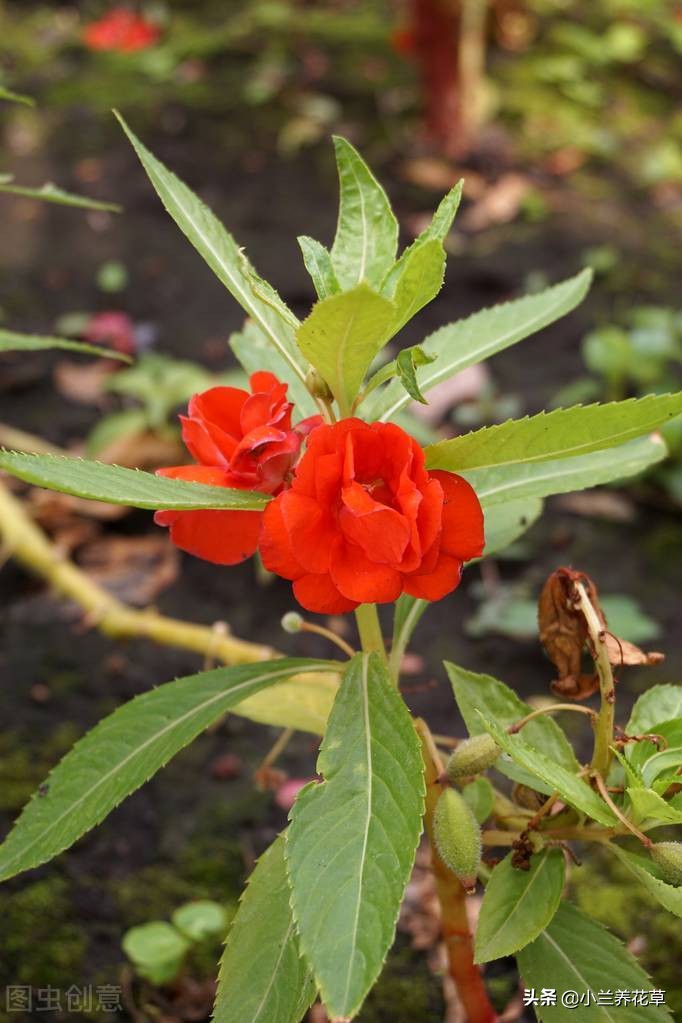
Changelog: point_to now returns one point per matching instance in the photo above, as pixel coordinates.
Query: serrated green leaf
(406, 365)
(560, 476)
(480, 797)
(11, 341)
(669, 895)
(51, 193)
(438, 229)
(125, 749)
(318, 263)
(575, 953)
(352, 839)
(366, 239)
(660, 703)
(573, 790)
(115, 485)
(466, 342)
(219, 249)
(651, 810)
(341, 337)
(263, 978)
(418, 282)
(474, 692)
(564, 433)
(254, 352)
(518, 904)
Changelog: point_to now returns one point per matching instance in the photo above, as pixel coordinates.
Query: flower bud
(668, 856)
(457, 836)
(317, 386)
(472, 756)
(292, 622)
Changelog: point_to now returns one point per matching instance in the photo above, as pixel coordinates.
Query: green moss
(406, 991)
(24, 763)
(41, 944)
(600, 888)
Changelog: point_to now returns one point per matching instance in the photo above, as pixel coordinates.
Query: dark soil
(187, 834)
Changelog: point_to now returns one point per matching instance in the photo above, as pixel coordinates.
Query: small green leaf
(16, 97)
(352, 839)
(438, 229)
(418, 282)
(115, 485)
(652, 810)
(480, 796)
(660, 703)
(11, 341)
(577, 954)
(474, 692)
(519, 904)
(367, 232)
(263, 978)
(668, 895)
(564, 433)
(51, 193)
(341, 337)
(408, 612)
(318, 263)
(124, 750)
(573, 790)
(406, 365)
(540, 479)
(208, 236)
(476, 338)
(156, 950)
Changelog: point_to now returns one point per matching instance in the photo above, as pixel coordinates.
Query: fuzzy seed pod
(472, 756)
(527, 797)
(457, 836)
(668, 856)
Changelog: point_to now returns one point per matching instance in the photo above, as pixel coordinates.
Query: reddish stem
(452, 898)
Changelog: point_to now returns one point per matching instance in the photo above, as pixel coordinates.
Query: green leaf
(660, 703)
(254, 352)
(16, 97)
(156, 950)
(201, 919)
(408, 612)
(11, 341)
(116, 425)
(474, 692)
(110, 483)
(573, 790)
(519, 904)
(208, 236)
(466, 342)
(367, 232)
(352, 839)
(263, 978)
(51, 193)
(438, 229)
(418, 282)
(124, 750)
(505, 523)
(303, 703)
(575, 953)
(341, 337)
(668, 895)
(318, 263)
(564, 433)
(512, 482)
(480, 796)
(651, 810)
(406, 365)
(652, 763)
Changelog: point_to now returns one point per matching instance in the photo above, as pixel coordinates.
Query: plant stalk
(452, 898)
(367, 617)
(603, 729)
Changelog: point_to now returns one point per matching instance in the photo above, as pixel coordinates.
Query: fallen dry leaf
(464, 386)
(622, 652)
(84, 383)
(499, 204)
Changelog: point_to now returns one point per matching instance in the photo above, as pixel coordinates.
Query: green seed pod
(668, 856)
(317, 386)
(457, 836)
(472, 756)
(527, 797)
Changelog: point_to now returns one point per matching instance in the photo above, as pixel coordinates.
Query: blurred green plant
(158, 949)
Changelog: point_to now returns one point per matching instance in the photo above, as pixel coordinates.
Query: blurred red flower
(113, 329)
(122, 30)
(363, 521)
(241, 440)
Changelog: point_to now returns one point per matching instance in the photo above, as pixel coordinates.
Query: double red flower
(240, 440)
(121, 30)
(359, 519)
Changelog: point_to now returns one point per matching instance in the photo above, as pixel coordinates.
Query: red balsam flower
(121, 30)
(363, 521)
(241, 440)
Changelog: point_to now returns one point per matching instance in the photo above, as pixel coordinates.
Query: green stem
(370, 630)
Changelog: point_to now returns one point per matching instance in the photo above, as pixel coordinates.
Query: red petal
(263, 380)
(381, 532)
(309, 531)
(275, 546)
(443, 579)
(224, 537)
(463, 533)
(221, 407)
(210, 475)
(201, 445)
(360, 579)
(318, 593)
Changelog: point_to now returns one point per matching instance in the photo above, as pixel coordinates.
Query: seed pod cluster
(472, 756)
(668, 856)
(457, 836)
